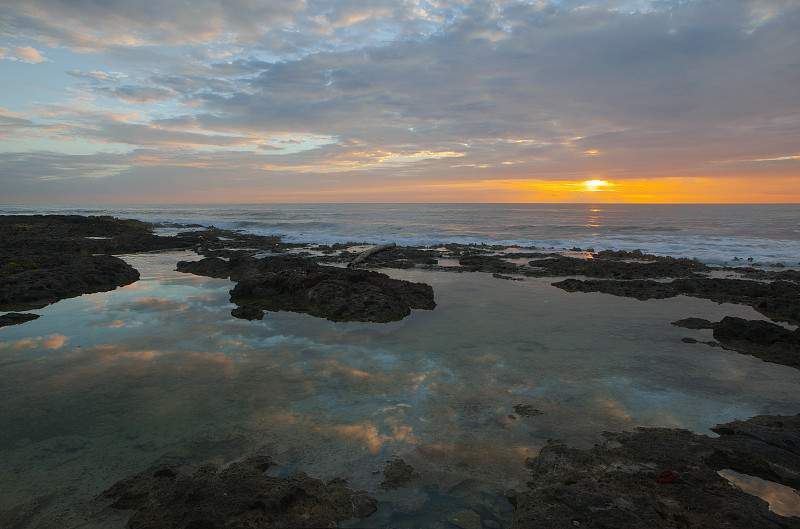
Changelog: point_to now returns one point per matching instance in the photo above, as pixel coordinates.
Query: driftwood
(366, 253)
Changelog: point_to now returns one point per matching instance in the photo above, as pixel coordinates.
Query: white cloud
(23, 54)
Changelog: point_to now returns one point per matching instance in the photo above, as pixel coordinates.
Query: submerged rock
(240, 495)
(398, 474)
(661, 478)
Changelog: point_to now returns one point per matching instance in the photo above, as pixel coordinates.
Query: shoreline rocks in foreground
(240, 495)
(662, 478)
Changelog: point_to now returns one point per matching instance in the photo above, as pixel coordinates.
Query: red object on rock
(666, 476)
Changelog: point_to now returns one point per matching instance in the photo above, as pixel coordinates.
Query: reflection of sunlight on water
(782, 500)
(162, 372)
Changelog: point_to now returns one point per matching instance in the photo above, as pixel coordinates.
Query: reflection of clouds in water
(53, 341)
(782, 500)
(116, 323)
(157, 304)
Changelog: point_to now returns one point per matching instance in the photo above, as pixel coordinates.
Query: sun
(594, 185)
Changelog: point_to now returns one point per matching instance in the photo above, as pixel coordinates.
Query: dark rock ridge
(662, 478)
(284, 283)
(758, 338)
(778, 300)
(240, 495)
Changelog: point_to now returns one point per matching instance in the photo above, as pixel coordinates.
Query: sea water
(714, 233)
(104, 385)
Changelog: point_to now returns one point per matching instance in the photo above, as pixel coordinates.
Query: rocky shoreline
(653, 477)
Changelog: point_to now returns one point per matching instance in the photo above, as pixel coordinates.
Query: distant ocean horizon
(720, 234)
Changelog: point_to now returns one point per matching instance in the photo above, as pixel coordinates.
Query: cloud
(413, 92)
(23, 54)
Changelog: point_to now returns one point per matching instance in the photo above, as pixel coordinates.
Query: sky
(216, 101)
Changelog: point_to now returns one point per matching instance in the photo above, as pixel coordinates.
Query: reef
(240, 495)
(661, 478)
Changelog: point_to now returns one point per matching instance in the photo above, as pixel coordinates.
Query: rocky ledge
(240, 495)
(662, 478)
(762, 339)
(287, 283)
(46, 258)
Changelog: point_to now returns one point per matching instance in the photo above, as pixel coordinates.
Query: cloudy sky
(105, 101)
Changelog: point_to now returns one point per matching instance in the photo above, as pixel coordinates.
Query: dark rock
(759, 338)
(240, 495)
(398, 474)
(762, 339)
(45, 258)
(526, 410)
(52, 277)
(642, 289)
(296, 284)
(16, 318)
(615, 265)
(487, 263)
(507, 278)
(660, 478)
(694, 323)
(778, 300)
(248, 312)
(403, 257)
(338, 294)
(209, 267)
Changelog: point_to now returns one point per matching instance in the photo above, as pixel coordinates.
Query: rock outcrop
(759, 338)
(240, 495)
(299, 285)
(662, 478)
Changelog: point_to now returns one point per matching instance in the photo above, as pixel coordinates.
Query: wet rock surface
(287, 283)
(240, 495)
(658, 477)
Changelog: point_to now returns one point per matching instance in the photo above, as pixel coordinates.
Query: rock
(338, 294)
(487, 263)
(398, 474)
(694, 323)
(239, 495)
(465, 520)
(55, 276)
(16, 318)
(616, 265)
(526, 410)
(248, 312)
(660, 478)
(762, 339)
(46, 258)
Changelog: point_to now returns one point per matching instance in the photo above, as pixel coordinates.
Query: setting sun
(595, 185)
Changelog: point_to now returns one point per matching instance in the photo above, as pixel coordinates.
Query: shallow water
(105, 385)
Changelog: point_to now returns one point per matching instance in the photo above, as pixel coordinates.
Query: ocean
(104, 385)
(713, 233)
